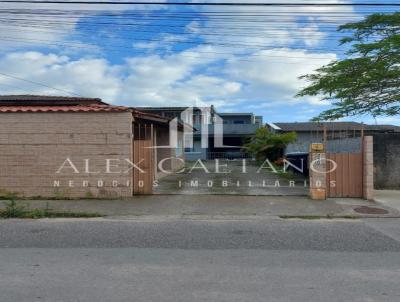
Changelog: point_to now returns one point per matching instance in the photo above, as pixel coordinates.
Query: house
(338, 135)
(236, 127)
(54, 146)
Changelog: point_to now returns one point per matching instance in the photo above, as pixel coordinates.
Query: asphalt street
(200, 260)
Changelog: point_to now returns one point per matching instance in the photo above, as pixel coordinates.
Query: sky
(238, 59)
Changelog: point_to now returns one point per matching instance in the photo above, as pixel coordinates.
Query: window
(238, 122)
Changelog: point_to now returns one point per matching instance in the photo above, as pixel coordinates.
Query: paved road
(186, 260)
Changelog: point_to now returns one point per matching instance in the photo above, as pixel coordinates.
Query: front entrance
(347, 179)
(143, 155)
(346, 172)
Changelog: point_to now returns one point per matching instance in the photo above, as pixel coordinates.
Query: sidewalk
(389, 198)
(221, 206)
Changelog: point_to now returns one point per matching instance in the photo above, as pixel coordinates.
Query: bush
(13, 210)
(265, 144)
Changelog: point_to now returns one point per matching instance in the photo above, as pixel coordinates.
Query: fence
(228, 155)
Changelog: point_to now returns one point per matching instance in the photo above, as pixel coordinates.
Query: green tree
(368, 80)
(265, 144)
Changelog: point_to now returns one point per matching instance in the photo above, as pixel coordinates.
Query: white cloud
(89, 77)
(274, 75)
(176, 79)
(265, 77)
(151, 81)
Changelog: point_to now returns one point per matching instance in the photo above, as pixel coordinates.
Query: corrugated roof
(159, 119)
(314, 126)
(181, 108)
(382, 128)
(141, 114)
(333, 126)
(235, 113)
(68, 108)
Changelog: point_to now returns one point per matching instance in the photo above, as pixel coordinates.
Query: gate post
(368, 168)
(317, 170)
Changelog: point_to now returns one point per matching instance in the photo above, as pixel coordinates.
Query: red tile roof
(76, 108)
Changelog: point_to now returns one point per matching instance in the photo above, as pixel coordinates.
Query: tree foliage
(265, 144)
(368, 80)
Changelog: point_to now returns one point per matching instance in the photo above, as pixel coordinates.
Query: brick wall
(33, 146)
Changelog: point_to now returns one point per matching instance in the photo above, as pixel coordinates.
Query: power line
(284, 60)
(199, 3)
(173, 37)
(29, 24)
(137, 34)
(222, 12)
(119, 47)
(13, 86)
(37, 83)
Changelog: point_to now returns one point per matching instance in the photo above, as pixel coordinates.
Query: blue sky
(238, 59)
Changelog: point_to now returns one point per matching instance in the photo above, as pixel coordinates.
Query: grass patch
(14, 210)
(316, 217)
(8, 195)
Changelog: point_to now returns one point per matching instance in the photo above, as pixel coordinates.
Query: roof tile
(77, 108)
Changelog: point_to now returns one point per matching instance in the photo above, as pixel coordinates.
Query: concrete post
(368, 168)
(317, 172)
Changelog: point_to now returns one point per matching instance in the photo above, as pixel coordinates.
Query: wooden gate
(347, 179)
(143, 156)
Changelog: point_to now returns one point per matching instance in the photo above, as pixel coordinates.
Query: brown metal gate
(143, 156)
(347, 179)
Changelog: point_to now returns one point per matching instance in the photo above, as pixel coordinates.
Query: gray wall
(387, 160)
(304, 139)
